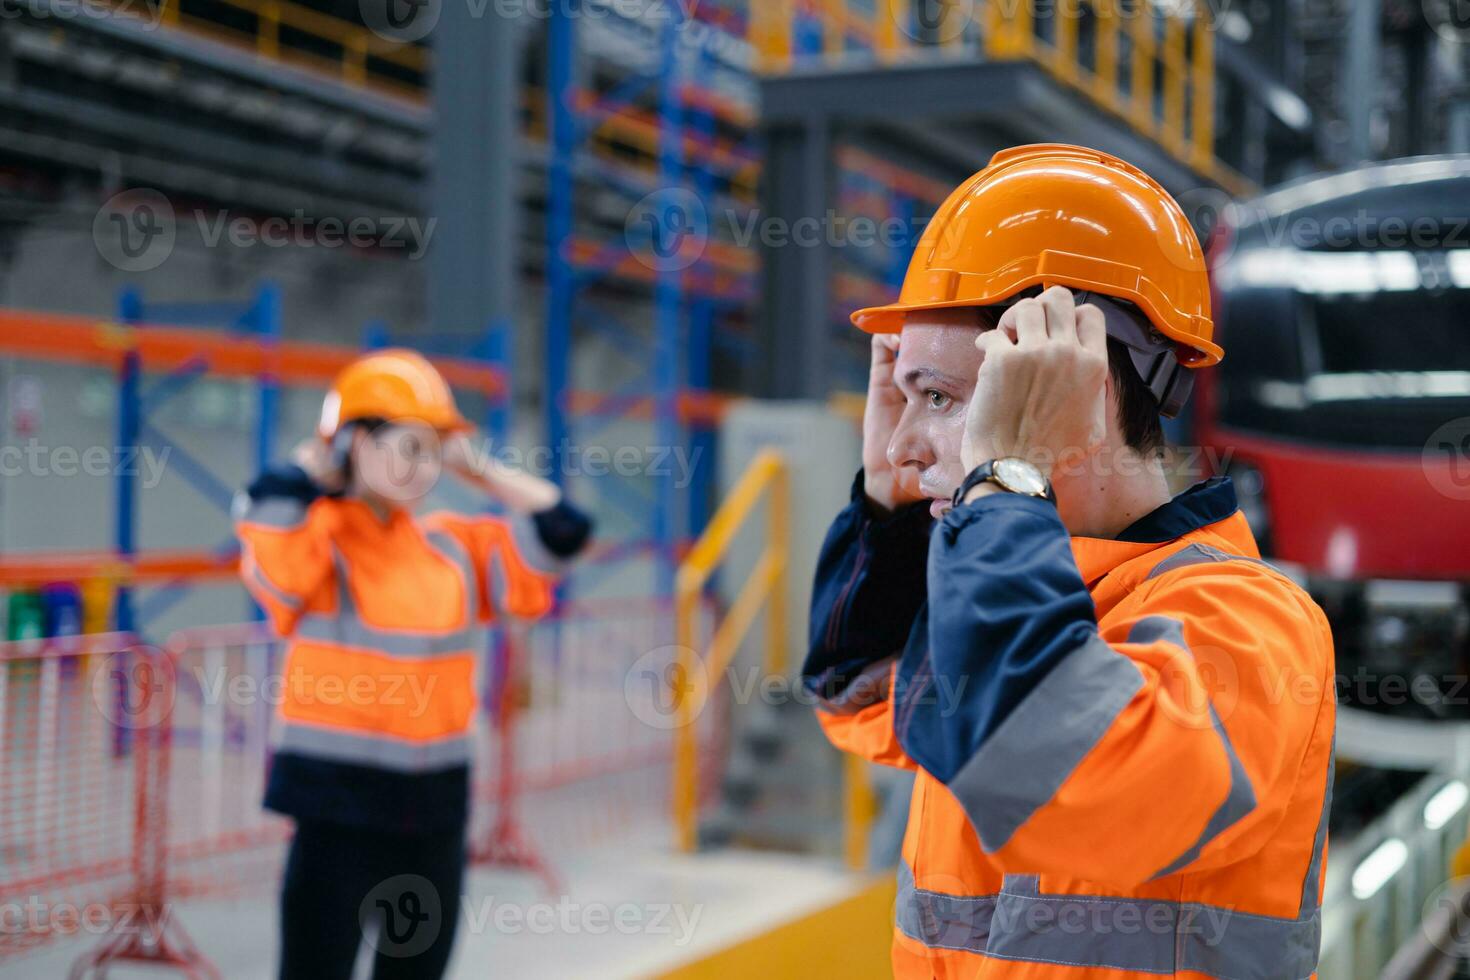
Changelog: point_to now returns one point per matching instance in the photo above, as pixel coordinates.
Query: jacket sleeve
(1170, 743)
(866, 600)
(285, 557)
(518, 559)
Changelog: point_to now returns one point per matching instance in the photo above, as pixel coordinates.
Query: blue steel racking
(684, 309)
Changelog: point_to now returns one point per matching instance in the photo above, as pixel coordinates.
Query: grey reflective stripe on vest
(942, 921)
(347, 628)
(1027, 758)
(1240, 799)
(1310, 886)
(450, 547)
(381, 751)
(1199, 554)
(257, 578)
(499, 590)
(275, 512)
(1140, 935)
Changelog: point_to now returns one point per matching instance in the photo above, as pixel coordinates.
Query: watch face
(1020, 476)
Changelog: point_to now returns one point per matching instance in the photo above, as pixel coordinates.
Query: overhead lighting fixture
(1379, 867)
(1447, 801)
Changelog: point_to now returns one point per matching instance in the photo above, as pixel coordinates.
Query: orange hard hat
(1052, 214)
(395, 385)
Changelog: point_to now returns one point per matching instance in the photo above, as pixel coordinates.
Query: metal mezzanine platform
(1147, 86)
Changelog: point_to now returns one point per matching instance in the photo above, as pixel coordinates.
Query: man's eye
(937, 399)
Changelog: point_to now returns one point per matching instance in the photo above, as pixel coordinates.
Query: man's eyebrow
(914, 376)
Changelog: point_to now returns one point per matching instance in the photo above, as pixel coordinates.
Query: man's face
(935, 371)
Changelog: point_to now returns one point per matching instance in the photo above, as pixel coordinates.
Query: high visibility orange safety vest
(1124, 747)
(385, 624)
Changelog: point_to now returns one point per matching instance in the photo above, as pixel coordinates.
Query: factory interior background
(629, 234)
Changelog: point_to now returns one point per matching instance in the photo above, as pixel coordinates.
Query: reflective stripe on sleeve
(1142, 935)
(1199, 554)
(275, 512)
(257, 578)
(1026, 760)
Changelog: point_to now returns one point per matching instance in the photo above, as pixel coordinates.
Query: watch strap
(985, 472)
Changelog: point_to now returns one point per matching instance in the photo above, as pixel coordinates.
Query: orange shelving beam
(30, 570)
(84, 340)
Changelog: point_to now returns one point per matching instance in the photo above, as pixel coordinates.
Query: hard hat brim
(1196, 352)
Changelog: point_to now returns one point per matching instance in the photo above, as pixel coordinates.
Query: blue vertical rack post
(683, 317)
(129, 424)
(561, 304)
(125, 466)
(261, 316)
(669, 308)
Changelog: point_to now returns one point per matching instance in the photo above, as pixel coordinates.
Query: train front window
(1382, 368)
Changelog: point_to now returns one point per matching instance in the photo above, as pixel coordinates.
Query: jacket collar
(1200, 506)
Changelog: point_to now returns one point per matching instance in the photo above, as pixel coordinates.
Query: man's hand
(1040, 391)
(881, 481)
(315, 458)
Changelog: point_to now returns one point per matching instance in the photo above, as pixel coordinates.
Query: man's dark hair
(1138, 412)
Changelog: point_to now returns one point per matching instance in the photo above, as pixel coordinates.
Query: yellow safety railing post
(1105, 86)
(1142, 55)
(860, 806)
(1174, 80)
(834, 27)
(998, 41)
(1067, 14)
(1023, 30)
(1202, 89)
(885, 27)
(769, 33)
(169, 11)
(354, 59)
(778, 532)
(766, 477)
(268, 33)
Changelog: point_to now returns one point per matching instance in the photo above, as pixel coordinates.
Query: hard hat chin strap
(1153, 355)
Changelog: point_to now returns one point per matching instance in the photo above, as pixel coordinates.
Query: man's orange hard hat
(395, 385)
(1052, 214)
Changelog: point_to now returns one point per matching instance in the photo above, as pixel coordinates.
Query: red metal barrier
(84, 759)
(131, 778)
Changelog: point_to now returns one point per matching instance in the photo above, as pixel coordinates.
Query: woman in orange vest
(385, 614)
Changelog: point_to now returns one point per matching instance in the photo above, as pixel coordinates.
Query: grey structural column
(796, 262)
(1360, 75)
(477, 89)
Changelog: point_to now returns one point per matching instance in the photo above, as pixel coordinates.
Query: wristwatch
(1012, 474)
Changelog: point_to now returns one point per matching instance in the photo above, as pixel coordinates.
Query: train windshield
(1381, 367)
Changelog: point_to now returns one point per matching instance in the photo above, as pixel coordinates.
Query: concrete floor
(630, 910)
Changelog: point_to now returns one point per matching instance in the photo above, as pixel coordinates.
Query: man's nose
(909, 449)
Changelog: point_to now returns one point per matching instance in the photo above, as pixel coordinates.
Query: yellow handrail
(766, 478)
